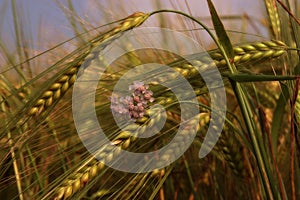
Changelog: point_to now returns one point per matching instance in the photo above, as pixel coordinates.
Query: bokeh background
(45, 22)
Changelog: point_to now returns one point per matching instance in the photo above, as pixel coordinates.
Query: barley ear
(232, 151)
(67, 79)
(273, 17)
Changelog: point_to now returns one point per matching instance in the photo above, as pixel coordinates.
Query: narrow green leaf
(278, 115)
(220, 30)
(297, 69)
(258, 78)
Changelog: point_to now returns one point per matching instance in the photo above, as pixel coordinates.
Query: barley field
(160, 103)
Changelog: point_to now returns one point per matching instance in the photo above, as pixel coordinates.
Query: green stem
(259, 152)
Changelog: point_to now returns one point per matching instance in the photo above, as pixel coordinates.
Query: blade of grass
(18, 38)
(220, 31)
(278, 114)
(258, 78)
(259, 151)
(266, 131)
(246, 110)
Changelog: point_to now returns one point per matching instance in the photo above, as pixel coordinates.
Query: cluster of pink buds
(133, 106)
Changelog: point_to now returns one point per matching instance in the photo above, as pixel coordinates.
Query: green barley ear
(252, 53)
(273, 17)
(65, 80)
(92, 167)
(78, 179)
(232, 151)
(134, 20)
(72, 173)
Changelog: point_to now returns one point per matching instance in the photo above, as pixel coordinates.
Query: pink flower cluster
(133, 106)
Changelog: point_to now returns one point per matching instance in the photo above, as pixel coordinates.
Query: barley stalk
(3, 108)
(297, 108)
